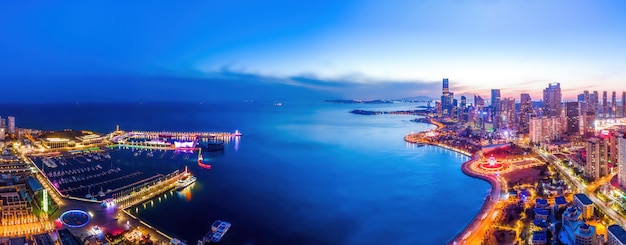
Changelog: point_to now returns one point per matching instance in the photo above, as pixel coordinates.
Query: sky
(323, 49)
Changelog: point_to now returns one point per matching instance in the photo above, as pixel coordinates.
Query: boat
(187, 180)
(237, 133)
(218, 230)
(182, 183)
(278, 104)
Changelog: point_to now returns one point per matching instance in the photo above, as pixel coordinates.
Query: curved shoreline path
(476, 229)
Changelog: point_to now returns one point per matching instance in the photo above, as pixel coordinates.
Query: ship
(218, 230)
(187, 180)
(237, 133)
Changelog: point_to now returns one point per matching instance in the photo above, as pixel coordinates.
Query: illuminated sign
(605, 132)
(179, 144)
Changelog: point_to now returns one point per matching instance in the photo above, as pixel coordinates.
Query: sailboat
(200, 163)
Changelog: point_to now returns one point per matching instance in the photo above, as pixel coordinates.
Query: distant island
(360, 101)
(407, 112)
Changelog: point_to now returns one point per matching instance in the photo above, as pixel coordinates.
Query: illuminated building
(11, 126)
(507, 107)
(597, 158)
(576, 230)
(552, 100)
(616, 235)
(613, 104)
(573, 118)
(605, 105)
(446, 99)
(14, 208)
(589, 126)
(621, 161)
(525, 111)
(585, 204)
(594, 103)
(547, 129)
(623, 104)
(70, 138)
(496, 113)
(2, 134)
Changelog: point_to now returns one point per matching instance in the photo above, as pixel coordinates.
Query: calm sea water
(303, 173)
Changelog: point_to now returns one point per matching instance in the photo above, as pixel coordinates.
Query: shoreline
(489, 201)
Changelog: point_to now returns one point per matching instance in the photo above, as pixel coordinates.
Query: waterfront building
(446, 99)
(11, 126)
(597, 158)
(525, 112)
(573, 117)
(616, 235)
(70, 138)
(496, 114)
(552, 100)
(14, 207)
(546, 129)
(582, 202)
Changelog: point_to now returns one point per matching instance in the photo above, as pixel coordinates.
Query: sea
(302, 173)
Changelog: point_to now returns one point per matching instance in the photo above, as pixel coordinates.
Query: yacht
(184, 182)
(218, 229)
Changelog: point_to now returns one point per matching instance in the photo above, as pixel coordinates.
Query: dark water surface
(303, 173)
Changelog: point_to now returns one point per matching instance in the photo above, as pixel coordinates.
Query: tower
(573, 117)
(11, 125)
(605, 105)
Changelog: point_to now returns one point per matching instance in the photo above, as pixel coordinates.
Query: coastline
(489, 202)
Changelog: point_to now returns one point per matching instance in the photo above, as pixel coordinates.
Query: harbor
(105, 179)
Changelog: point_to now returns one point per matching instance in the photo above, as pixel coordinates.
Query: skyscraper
(594, 103)
(525, 111)
(624, 104)
(496, 115)
(573, 117)
(597, 158)
(463, 110)
(552, 100)
(508, 113)
(613, 104)
(11, 125)
(586, 106)
(605, 105)
(621, 160)
(446, 99)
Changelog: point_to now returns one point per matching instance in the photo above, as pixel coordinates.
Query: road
(617, 218)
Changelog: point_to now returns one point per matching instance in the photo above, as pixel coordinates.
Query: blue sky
(311, 49)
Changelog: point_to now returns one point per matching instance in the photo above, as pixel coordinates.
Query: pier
(149, 189)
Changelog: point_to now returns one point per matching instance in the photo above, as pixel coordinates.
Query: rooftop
(583, 198)
(541, 211)
(540, 236)
(560, 200)
(618, 232)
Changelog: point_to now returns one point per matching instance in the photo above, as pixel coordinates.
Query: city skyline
(361, 50)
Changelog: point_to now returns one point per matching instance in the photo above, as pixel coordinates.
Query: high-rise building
(496, 115)
(552, 100)
(588, 122)
(463, 110)
(621, 160)
(508, 113)
(613, 104)
(11, 125)
(623, 103)
(605, 105)
(586, 106)
(2, 133)
(594, 103)
(446, 99)
(597, 158)
(525, 111)
(573, 117)
(616, 235)
(479, 110)
(546, 129)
